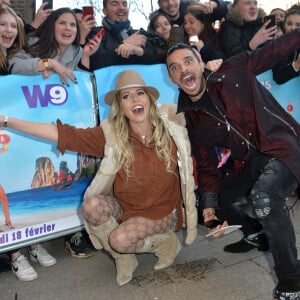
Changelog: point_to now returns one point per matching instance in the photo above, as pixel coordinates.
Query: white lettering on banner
(55, 94)
(58, 95)
(266, 83)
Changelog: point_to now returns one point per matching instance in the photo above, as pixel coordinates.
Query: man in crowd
(120, 44)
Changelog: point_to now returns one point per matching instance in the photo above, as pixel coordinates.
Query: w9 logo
(56, 94)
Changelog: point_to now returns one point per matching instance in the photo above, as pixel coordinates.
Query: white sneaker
(23, 270)
(39, 254)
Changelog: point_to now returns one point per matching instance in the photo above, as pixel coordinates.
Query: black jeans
(276, 182)
(236, 186)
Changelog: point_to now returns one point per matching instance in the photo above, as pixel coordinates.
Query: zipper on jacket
(228, 125)
(282, 120)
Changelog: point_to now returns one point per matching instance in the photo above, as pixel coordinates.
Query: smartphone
(49, 5)
(193, 38)
(272, 23)
(100, 33)
(88, 11)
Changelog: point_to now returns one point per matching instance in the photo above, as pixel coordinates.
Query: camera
(153, 38)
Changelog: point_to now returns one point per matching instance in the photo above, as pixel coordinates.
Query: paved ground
(202, 271)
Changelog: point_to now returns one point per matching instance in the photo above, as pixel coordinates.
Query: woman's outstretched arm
(41, 130)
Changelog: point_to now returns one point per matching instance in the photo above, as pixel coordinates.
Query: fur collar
(235, 17)
(170, 109)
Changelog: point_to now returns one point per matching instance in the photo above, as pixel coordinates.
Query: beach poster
(41, 191)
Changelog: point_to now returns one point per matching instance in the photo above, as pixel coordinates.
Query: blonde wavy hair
(160, 136)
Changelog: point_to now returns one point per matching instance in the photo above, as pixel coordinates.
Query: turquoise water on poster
(46, 199)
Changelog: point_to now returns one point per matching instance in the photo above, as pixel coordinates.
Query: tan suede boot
(125, 263)
(165, 246)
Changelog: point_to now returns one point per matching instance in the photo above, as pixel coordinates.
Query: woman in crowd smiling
(55, 47)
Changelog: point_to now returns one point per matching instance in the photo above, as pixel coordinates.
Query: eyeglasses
(126, 96)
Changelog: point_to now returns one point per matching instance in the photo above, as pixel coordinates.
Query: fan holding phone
(243, 29)
(87, 23)
(290, 67)
(272, 21)
(88, 12)
(55, 52)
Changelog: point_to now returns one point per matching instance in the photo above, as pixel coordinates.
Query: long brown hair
(19, 42)
(208, 35)
(46, 45)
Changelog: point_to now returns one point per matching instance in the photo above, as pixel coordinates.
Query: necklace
(143, 135)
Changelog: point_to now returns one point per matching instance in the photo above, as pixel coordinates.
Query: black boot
(252, 241)
(288, 284)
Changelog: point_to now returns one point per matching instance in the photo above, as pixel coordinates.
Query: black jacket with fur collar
(235, 33)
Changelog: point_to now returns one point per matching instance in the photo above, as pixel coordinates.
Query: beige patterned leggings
(129, 236)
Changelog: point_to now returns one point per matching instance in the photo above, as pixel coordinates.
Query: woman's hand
(89, 49)
(85, 24)
(41, 15)
(63, 72)
(92, 46)
(55, 66)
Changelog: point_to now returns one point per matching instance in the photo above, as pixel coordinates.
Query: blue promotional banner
(157, 75)
(40, 190)
(287, 94)
(154, 75)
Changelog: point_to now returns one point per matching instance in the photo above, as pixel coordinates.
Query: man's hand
(209, 216)
(136, 39)
(263, 35)
(125, 50)
(214, 65)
